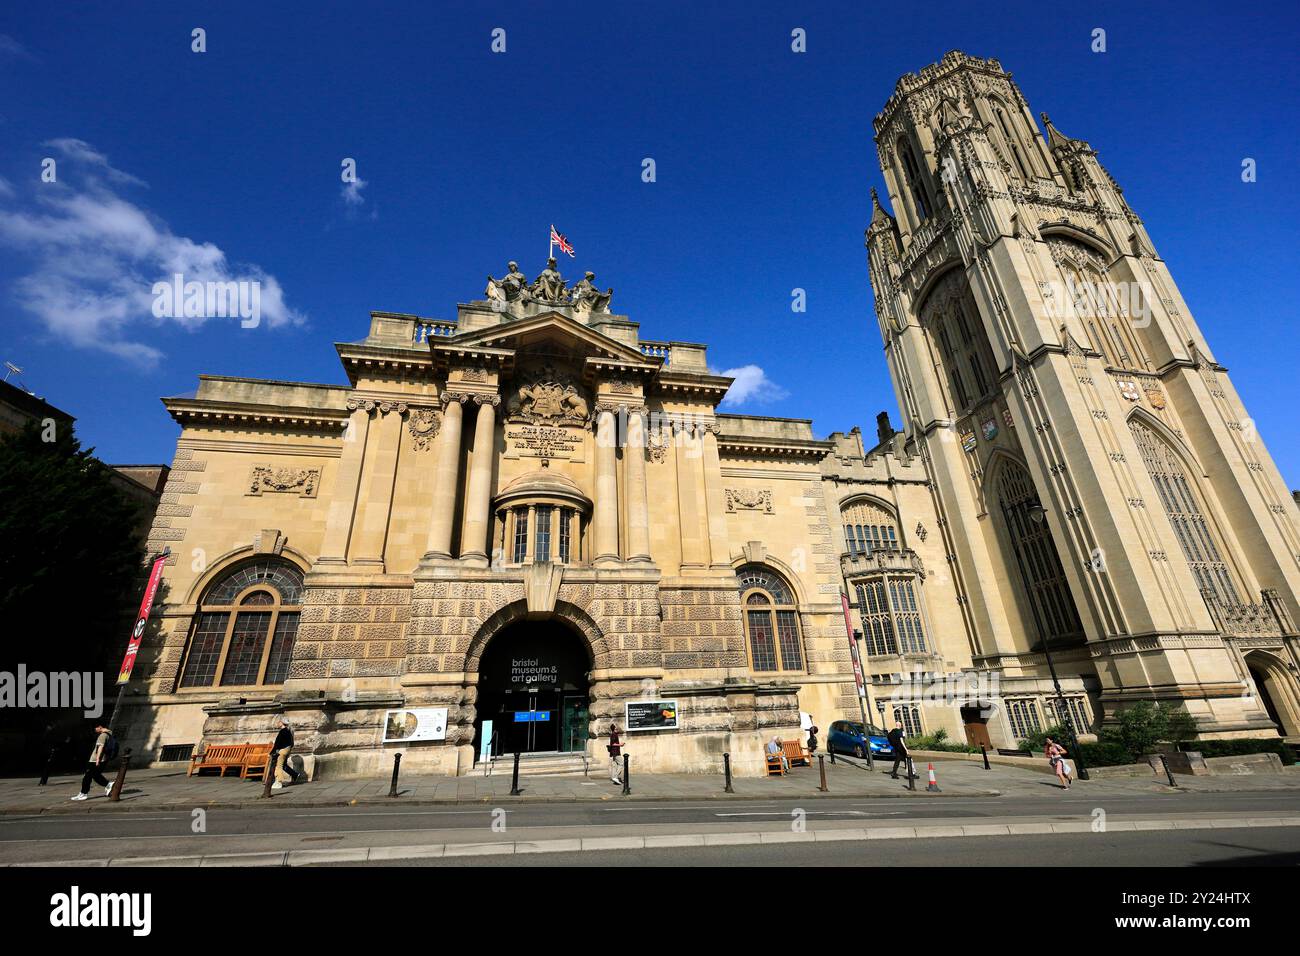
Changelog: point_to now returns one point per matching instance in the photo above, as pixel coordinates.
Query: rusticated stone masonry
(352, 632)
(702, 628)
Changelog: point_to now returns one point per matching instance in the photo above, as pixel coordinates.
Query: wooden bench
(220, 757)
(775, 765)
(795, 752)
(256, 762)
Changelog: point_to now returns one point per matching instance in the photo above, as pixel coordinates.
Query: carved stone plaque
(552, 442)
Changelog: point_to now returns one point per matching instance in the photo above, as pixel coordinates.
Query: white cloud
(96, 256)
(11, 47)
(752, 385)
(352, 192)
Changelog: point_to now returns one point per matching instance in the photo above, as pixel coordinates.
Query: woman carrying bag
(1056, 754)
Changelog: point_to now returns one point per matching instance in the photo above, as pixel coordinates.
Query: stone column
(638, 512)
(606, 504)
(446, 478)
(474, 545)
(342, 509)
(686, 452)
(375, 501)
(714, 499)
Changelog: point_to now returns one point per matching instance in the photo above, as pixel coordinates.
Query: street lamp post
(1038, 514)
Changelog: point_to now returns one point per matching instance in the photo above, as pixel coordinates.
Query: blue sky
(229, 161)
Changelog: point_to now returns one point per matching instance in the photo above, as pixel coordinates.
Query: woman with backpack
(105, 750)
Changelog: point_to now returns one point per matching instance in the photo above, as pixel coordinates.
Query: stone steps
(544, 764)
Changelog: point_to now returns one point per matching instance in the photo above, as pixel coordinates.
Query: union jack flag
(563, 243)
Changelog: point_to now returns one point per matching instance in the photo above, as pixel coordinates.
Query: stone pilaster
(638, 512)
(606, 504)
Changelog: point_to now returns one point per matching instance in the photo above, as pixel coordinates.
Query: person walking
(812, 740)
(899, 748)
(615, 749)
(105, 749)
(280, 751)
(1056, 754)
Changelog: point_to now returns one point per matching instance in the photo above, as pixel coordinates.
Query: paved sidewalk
(651, 838)
(173, 790)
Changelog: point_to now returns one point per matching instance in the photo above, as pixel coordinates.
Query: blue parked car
(849, 737)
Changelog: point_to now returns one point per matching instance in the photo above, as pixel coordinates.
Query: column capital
(484, 399)
(450, 396)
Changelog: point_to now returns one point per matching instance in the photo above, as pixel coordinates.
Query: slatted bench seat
(220, 757)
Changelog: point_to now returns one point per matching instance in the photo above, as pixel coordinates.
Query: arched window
(868, 527)
(1182, 504)
(244, 632)
(771, 620)
(915, 184)
(1035, 553)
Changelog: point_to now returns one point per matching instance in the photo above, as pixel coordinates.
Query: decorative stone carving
(549, 285)
(423, 424)
(508, 289)
(921, 532)
(749, 499)
(304, 481)
(657, 445)
(548, 397)
(587, 298)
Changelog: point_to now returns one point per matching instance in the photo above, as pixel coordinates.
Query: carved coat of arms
(547, 397)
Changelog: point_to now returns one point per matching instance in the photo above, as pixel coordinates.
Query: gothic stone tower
(1101, 485)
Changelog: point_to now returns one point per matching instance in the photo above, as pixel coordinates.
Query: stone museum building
(509, 530)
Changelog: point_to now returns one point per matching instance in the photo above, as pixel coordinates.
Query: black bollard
(268, 775)
(514, 781)
(49, 762)
(821, 763)
(627, 780)
(116, 793)
(1168, 773)
(985, 751)
(726, 769)
(397, 765)
(832, 756)
(911, 776)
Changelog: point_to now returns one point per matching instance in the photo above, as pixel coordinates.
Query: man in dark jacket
(900, 750)
(280, 752)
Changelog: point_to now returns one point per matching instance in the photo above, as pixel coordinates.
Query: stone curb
(597, 844)
(132, 806)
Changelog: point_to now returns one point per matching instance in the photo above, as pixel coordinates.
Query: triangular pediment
(548, 326)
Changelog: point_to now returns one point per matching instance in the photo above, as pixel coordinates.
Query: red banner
(141, 619)
(853, 648)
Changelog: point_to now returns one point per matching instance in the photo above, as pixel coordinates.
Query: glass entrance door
(573, 723)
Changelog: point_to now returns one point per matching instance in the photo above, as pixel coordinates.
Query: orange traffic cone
(933, 785)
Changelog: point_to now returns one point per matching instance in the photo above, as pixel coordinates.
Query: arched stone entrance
(533, 686)
(1277, 691)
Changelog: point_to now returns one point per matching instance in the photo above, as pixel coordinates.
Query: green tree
(71, 562)
(1141, 726)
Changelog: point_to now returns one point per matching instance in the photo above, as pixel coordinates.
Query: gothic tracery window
(912, 179)
(891, 615)
(1041, 573)
(244, 632)
(1178, 495)
(868, 527)
(772, 633)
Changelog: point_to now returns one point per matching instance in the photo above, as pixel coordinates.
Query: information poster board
(415, 724)
(650, 715)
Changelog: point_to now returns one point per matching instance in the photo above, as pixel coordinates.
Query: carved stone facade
(534, 477)
(1099, 501)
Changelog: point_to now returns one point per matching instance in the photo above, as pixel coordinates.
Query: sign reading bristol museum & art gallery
(415, 724)
(650, 715)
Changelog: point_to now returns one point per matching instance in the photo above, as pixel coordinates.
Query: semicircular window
(772, 633)
(247, 623)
